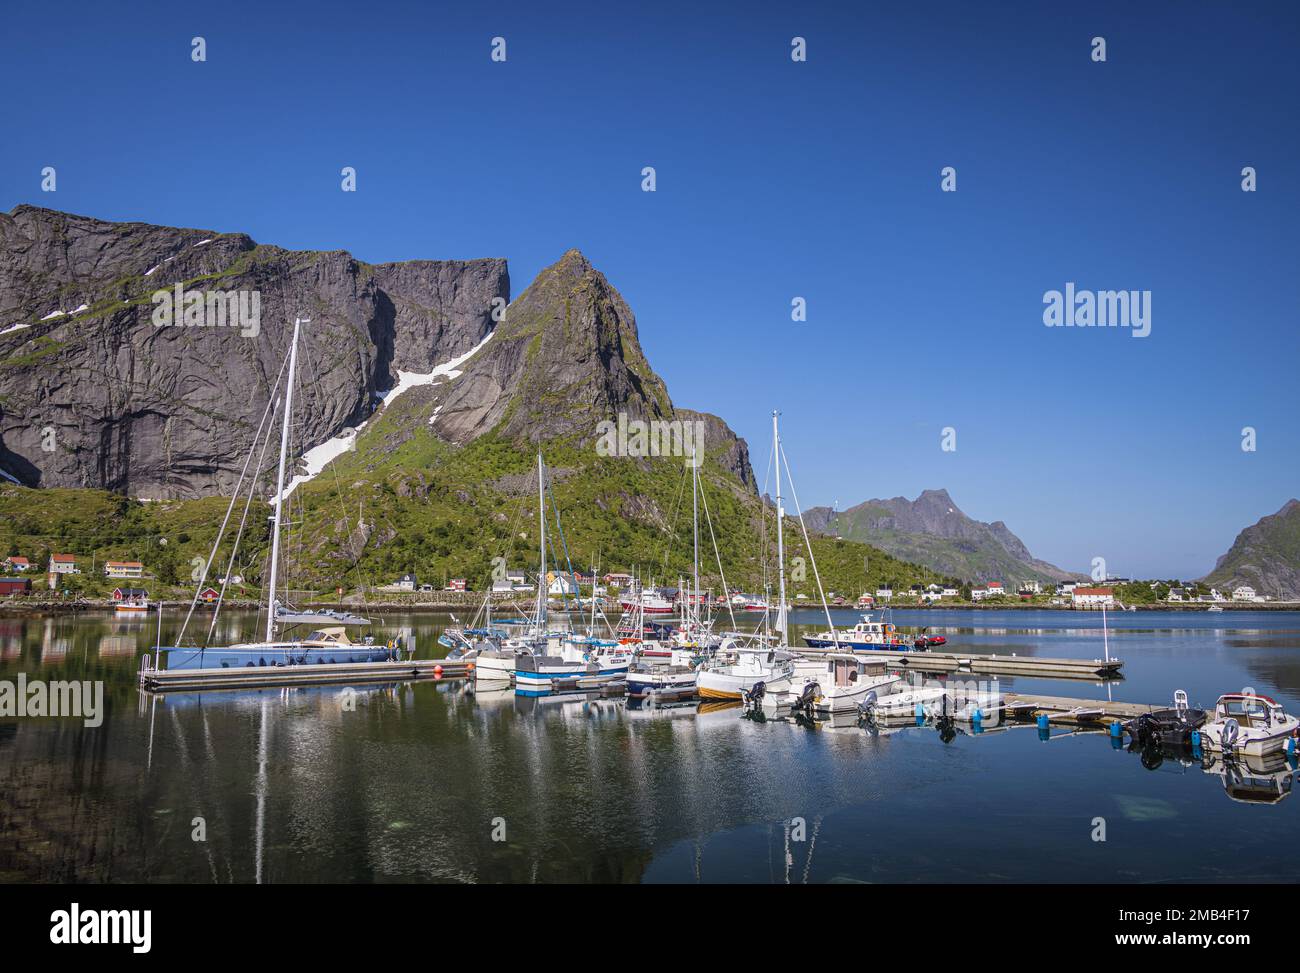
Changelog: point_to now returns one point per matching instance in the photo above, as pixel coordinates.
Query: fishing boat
(133, 604)
(868, 635)
(647, 601)
(327, 641)
(1245, 723)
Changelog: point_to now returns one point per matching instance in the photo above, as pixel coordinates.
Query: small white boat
(753, 665)
(904, 703)
(663, 682)
(1248, 724)
(830, 686)
(1214, 608)
(1252, 780)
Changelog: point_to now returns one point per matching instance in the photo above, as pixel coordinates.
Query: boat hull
(721, 684)
(236, 657)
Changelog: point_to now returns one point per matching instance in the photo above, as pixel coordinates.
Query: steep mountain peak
(566, 356)
(1266, 556)
(932, 530)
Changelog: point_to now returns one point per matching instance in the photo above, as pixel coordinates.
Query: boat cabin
(1249, 710)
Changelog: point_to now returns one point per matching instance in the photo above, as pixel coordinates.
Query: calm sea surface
(417, 780)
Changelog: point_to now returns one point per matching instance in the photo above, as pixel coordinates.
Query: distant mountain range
(1265, 556)
(931, 530)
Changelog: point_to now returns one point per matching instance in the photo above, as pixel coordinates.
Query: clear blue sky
(775, 180)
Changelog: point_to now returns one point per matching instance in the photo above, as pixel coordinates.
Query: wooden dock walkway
(1007, 665)
(1064, 709)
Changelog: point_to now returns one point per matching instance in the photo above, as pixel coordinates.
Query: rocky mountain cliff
(1265, 556)
(931, 530)
(94, 394)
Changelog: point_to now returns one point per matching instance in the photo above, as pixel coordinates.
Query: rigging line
(672, 524)
(555, 507)
(794, 495)
(243, 521)
(725, 593)
(216, 541)
(361, 577)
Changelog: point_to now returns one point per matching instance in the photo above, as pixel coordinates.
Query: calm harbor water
(415, 781)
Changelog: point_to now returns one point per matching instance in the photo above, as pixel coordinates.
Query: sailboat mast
(279, 483)
(541, 533)
(780, 537)
(695, 518)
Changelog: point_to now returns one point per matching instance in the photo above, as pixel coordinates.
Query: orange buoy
(437, 672)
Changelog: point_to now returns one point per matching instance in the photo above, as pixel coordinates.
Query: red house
(209, 595)
(14, 586)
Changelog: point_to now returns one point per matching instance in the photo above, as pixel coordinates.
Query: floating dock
(1063, 709)
(1007, 665)
(175, 680)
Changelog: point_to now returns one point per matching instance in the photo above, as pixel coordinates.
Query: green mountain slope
(1265, 556)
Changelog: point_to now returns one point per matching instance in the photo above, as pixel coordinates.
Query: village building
(64, 564)
(1093, 597)
(123, 569)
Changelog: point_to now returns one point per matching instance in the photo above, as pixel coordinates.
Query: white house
(884, 594)
(561, 585)
(950, 592)
(1031, 588)
(995, 588)
(1066, 587)
(1243, 593)
(64, 564)
(1177, 594)
(17, 563)
(979, 594)
(406, 582)
(1093, 597)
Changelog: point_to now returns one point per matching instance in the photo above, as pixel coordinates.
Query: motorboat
(663, 682)
(1171, 727)
(867, 635)
(1253, 780)
(832, 685)
(771, 666)
(1245, 723)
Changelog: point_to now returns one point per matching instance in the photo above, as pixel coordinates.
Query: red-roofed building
(64, 564)
(17, 563)
(123, 569)
(1093, 597)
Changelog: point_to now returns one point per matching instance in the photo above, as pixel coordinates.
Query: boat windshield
(1250, 708)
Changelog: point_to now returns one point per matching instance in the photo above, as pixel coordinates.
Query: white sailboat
(771, 665)
(328, 642)
(544, 661)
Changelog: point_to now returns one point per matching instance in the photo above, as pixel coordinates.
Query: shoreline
(20, 610)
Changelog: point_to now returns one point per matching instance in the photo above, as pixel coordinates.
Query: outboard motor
(1146, 732)
(756, 693)
(808, 697)
(1231, 730)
